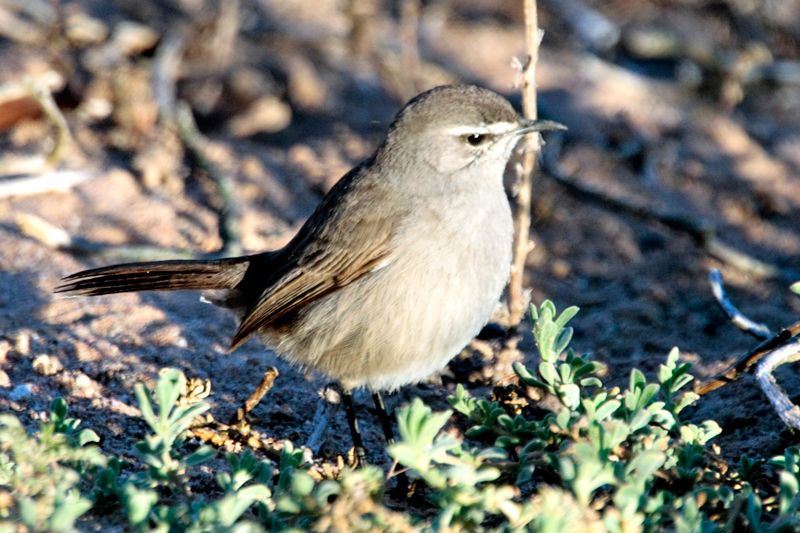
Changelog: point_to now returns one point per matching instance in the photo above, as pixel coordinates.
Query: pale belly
(405, 321)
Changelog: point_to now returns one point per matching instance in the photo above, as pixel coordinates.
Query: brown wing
(345, 239)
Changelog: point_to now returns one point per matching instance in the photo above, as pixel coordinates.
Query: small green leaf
(570, 395)
(644, 465)
(566, 315)
(640, 419)
(138, 504)
(302, 484)
(462, 401)
(58, 410)
(201, 455)
(168, 389)
(789, 488)
(67, 511)
(548, 309)
(586, 369)
(256, 492)
(527, 378)
(27, 511)
(145, 406)
(181, 418)
(637, 380)
(607, 409)
(548, 373)
(87, 436)
(591, 382)
(565, 373)
(562, 340)
(563, 417)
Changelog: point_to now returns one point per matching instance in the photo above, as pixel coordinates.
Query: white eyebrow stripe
(498, 128)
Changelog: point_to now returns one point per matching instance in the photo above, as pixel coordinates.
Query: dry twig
(267, 381)
(764, 355)
(178, 115)
(56, 238)
(517, 300)
(703, 232)
(739, 319)
(34, 174)
(746, 362)
(41, 93)
(228, 211)
(57, 180)
(327, 406)
(788, 411)
(165, 74)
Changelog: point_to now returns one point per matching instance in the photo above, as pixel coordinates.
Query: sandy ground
(642, 287)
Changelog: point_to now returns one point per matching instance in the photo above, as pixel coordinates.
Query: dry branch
(41, 93)
(34, 174)
(57, 180)
(267, 381)
(56, 238)
(770, 354)
(739, 319)
(746, 362)
(328, 404)
(165, 74)
(178, 115)
(788, 411)
(517, 301)
(228, 211)
(703, 232)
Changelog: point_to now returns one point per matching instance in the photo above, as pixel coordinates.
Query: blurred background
(141, 129)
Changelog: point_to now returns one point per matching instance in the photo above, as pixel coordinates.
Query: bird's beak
(527, 126)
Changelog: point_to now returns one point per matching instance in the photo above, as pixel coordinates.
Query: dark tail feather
(157, 275)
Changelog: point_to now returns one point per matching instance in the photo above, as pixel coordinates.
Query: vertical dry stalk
(517, 300)
(41, 93)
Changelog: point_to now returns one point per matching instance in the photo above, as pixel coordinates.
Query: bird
(397, 269)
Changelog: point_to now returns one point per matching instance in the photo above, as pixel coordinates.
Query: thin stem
(517, 300)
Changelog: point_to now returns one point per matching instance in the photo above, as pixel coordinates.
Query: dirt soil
(675, 133)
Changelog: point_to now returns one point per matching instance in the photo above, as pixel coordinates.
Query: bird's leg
(400, 490)
(330, 399)
(352, 421)
(386, 422)
(252, 401)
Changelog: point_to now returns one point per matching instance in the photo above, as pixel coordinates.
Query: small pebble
(5, 348)
(23, 343)
(47, 365)
(20, 392)
(84, 352)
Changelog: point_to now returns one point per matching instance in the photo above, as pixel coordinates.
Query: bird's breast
(415, 311)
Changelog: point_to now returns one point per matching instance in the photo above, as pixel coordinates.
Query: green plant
(40, 475)
(462, 477)
(158, 450)
(606, 459)
(602, 459)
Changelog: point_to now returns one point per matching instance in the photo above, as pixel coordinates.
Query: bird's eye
(476, 139)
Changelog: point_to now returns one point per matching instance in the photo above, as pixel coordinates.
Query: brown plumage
(396, 270)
